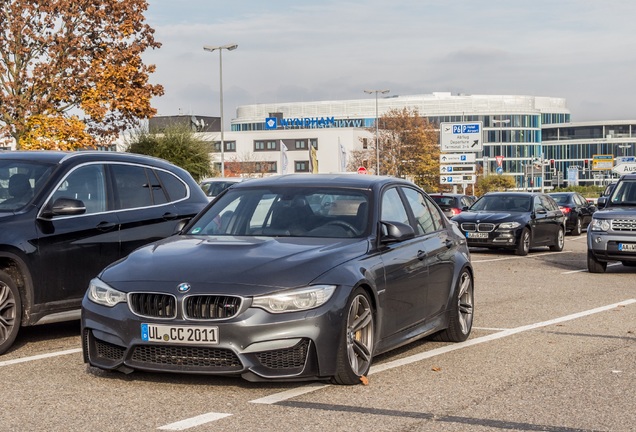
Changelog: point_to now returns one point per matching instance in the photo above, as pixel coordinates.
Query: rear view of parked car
(452, 204)
(577, 210)
(65, 216)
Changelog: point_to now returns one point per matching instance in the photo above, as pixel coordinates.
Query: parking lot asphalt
(553, 349)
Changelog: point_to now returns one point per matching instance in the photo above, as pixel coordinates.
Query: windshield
(507, 203)
(561, 199)
(624, 193)
(289, 212)
(19, 181)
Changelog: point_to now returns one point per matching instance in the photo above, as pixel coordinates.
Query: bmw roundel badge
(183, 287)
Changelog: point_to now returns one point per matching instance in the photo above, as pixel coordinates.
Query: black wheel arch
(15, 266)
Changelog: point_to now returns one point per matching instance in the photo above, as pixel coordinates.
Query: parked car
(452, 204)
(214, 186)
(291, 277)
(65, 216)
(602, 199)
(513, 220)
(577, 210)
(612, 234)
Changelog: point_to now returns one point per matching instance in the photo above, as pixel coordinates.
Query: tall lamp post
(500, 122)
(228, 47)
(377, 143)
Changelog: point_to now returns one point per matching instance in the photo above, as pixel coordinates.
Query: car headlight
(100, 293)
(296, 299)
(600, 224)
(509, 225)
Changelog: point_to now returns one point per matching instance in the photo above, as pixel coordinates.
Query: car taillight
(455, 211)
(564, 210)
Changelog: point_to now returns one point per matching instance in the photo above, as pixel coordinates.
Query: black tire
(10, 312)
(559, 242)
(358, 340)
(594, 265)
(578, 228)
(524, 243)
(461, 316)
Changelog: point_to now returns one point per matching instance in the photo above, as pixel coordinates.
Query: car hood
(233, 261)
(489, 217)
(614, 211)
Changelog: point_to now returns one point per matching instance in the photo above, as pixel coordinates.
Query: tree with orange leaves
(71, 73)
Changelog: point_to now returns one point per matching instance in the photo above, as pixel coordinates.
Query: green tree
(491, 183)
(71, 71)
(176, 144)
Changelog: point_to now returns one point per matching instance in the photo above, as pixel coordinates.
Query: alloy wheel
(7, 312)
(465, 303)
(360, 335)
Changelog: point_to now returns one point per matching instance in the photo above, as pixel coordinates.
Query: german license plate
(627, 247)
(179, 334)
(477, 235)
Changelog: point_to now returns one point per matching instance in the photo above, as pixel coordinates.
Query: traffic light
(586, 164)
(552, 166)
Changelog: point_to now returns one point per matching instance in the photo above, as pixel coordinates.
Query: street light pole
(500, 122)
(377, 143)
(228, 47)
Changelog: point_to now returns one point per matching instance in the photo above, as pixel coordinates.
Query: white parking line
(449, 348)
(518, 257)
(39, 357)
(194, 421)
(584, 270)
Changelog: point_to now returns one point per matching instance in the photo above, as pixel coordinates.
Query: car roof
(58, 157)
(515, 193)
(452, 195)
(359, 181)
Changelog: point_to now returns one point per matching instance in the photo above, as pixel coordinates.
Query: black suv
(65, 216)
(612, 234)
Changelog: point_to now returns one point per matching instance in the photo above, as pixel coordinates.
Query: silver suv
(612, 234)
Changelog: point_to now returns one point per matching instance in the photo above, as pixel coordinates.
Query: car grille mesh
(288, 358)
(186, 356)
(211, 307)
(481, 227)
(153, 305)
(624, 225)
(107, 350)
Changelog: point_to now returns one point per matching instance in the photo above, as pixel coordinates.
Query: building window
(301, 166)
(259, 145)
(272, 145)
(314, 142)
(365, 143)
(230, 146)
(265, 167)
(266, 146)
(300, 145)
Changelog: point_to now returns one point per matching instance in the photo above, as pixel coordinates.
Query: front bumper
(606, 246)
(255, 344)
(499, 239)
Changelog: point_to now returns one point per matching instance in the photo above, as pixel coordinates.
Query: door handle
(449, 243)
(170, 216)
(421, 255)
(106, 226)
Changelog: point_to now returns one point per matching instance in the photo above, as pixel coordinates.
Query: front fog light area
(101, 293)
(295, 300)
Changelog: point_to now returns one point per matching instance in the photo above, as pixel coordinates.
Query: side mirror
(397, 231)
(180, 226)
(64, 207)
(601, 202)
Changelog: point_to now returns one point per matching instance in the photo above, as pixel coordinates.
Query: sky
(296, 51)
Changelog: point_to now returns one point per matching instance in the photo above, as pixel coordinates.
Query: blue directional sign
(461, 137)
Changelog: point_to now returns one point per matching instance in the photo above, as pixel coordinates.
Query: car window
(172, 185)
(87, 184)
(19, 181)
(131, 186)
(392, 207)
(548, 203)
(427, 221)
(536, 204)
(288, 212)
(624, 193)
